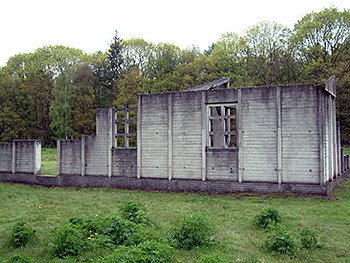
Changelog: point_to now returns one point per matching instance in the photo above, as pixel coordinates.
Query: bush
(146, 252)
(118, 229)
(69, 240)
(282, 241)
(309, 239)
(268, 216)
(195, 231)
(135, 212)
(21, 235)
(20, 259)
(80, 235)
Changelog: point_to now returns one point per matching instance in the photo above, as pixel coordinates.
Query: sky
(90, 25)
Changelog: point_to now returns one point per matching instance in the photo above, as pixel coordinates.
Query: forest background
(53, 93)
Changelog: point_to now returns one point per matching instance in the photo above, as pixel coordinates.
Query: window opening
(126, 127)
(222, 126)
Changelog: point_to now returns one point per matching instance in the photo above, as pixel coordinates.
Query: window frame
(126, 135)
(225, 130)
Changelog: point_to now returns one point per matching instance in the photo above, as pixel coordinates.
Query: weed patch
(21, 235)
(196, 231)
(268, 216)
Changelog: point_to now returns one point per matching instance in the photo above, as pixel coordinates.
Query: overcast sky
(26, 25)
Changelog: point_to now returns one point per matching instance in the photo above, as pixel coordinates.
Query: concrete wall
(70, 157)
(286, 134)
(6, 157)
(21, 157)
(124, 162)
(287, 140)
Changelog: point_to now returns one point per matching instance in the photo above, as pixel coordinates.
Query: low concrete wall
(124, 162)
(70, 153)
(124, 173)
(21, 157)
(177, 185)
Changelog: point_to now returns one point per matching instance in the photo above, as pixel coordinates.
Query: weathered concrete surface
(162, 184)
(287, 140)
(21, 156)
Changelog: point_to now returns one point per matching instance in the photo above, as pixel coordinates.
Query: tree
(136, 53)
(64, 93)
(261, 50)
(83, 110)
(15, 108)
(210, 49)
(130, 84)
(320, 39)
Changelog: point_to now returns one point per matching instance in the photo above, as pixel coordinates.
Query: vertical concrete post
(83, 169)
(322, 137)
(170, 136)
(58, 157)
(279, 136)
(139, 127)
(37, 157)
(239, 137)
(126, 128)
(341, 160)
(13, 157)
(204, 135)
(111, 138)
(335, 140)
(330, 139)
(338, 149)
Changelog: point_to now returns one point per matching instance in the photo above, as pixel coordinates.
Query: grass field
(48, 161)
(239, 241)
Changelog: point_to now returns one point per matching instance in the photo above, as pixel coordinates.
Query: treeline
(53, 93)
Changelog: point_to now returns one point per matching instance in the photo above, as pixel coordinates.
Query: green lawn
(48, 161)
(239, 241)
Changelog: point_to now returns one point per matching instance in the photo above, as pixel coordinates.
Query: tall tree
(321, 38)
(262, 49)
(83, 110)
(64, 92)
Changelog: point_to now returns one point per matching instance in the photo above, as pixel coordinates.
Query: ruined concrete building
(209, 138)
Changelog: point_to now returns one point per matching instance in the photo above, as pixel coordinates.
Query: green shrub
(282, 241)
(80, 235)
(21, 235)
(268, 216)
(118, 229)
(20, 259)
(309, 239)
(195, 231)
(147, 252)
(135, 212)
(142, 234)
(69, 240)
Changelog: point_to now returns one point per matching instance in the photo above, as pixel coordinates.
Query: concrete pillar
(37, 157)
(139, 127)
(341, 160)
(58, 157)
(111, 138)
(170, 136)
(239, 137)
(279, 135)
(13, 157)
(83, 169)
(204, 135)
